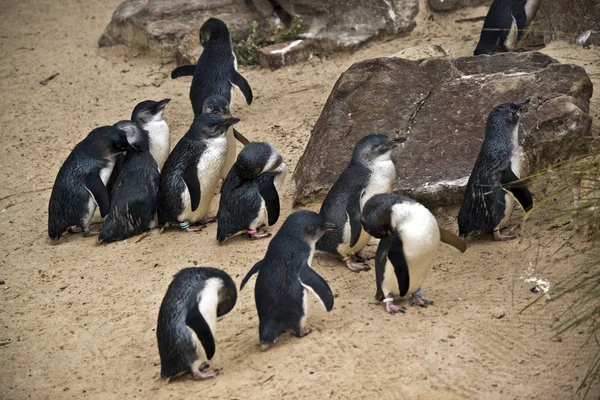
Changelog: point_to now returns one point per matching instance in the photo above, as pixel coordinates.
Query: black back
(497, 24)
(175, 342)
(133, 196)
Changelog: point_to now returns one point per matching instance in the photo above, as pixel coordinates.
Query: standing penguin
(249, 196)
(285, 276)
(215, 74)
(187, 320)
(487, 205)
(133, 195)
(410, 238)
(149, 114)
(191, 173)
(504, 25)
(371, 171)
(80, 184)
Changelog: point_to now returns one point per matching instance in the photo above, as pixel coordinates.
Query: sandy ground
(77, 320)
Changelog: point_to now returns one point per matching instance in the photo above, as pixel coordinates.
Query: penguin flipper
(316, 284)
(520, 17)
(96, 187)
(190, 177)
(380, 261)
(450, 238)
(239, 137)
(269, 194)
(396, 256)
(198, 324)
(353, 211)
(183, 70)
(511, 182)
(252, 271)
(238, 80)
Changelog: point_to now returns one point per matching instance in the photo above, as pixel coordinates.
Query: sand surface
(77, 320)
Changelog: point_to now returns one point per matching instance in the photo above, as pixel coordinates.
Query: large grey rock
(567, 19)
(451, 5)
(170, 27)
(441, 105)
(160, 26)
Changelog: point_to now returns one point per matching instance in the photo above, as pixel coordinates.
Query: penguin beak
(392, 144)
(399, 140)
(134, 147)
(161, 105)
(330, 227)
(524, 106)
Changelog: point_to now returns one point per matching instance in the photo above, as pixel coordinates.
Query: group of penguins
(126, 171)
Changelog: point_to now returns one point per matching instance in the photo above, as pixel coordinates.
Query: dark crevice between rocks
(413, 117)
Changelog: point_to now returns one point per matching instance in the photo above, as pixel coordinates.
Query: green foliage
(246, 50)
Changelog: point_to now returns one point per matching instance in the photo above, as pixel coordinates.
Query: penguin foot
(498, 236)
(75, 229)
(392, 308)
(201, 375)
(207, 220)
(258, 234)
(265, 347)
(357, 266)
(365, 254)
(417, 299)
(195, 228)
(302, 332)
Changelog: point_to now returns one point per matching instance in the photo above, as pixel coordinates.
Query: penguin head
(227, 295)
(148, 111)
(214, 32)
(309, 225)
(212, 125)
(374, 147)
(376, 216)
(257, 158)
(507, 114)
(216, 104)
(136, 138)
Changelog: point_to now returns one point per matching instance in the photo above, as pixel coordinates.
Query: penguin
(370, 172)
(250, 193)
(187, 320)
(133, 197)
(410, 238)
(215, 74)
(191, 173)
(504, 25)
(218, 104)
(149, 115)
(80, 184)
(285, 276)
(488, 200)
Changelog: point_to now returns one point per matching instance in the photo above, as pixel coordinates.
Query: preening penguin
(187, 320)
(149, 115)
(285, 276)
(215, 74)
(192, 171)
(219, 105)
(371, 171)
(80, 184)
(488, 200)
(504, 25)
(410, 238)
(133, 196)
(249, 195)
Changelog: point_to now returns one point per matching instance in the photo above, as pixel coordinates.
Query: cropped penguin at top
(285, 276)
(495, 179)
(371, 171)
(80, 184)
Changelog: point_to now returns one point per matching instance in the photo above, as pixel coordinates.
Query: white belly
(104, 176)
(511, 39)
(209, 170)
(382, 181)
(420, 236)
(231, 153)
(261, 218)
(160, 141)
